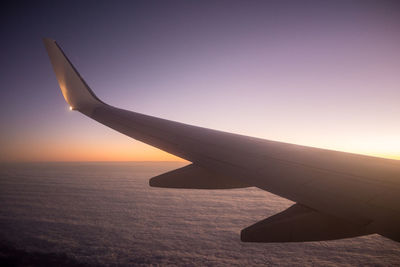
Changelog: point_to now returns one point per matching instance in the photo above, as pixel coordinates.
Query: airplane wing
(337, 194)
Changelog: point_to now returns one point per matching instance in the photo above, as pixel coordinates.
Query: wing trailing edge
(194, 177)
(299, 223)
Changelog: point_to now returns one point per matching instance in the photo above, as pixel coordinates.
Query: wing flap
(194, 177)
(299, 223)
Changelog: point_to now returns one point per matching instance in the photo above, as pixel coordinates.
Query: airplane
(337, 194)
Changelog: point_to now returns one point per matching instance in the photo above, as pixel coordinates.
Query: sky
(317, 73)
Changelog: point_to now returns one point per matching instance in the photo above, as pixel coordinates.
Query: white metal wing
(337, 194)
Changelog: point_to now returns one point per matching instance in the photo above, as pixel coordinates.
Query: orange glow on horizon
(129, 151)
(132, 151)
(93, 145)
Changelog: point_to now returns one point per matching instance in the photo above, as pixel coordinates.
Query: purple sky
(318, 73)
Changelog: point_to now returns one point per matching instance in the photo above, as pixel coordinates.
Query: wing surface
(354, 189)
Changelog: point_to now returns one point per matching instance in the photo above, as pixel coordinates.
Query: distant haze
(317, 73)
(105, 214)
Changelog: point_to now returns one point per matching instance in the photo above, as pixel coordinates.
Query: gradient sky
(317, 73)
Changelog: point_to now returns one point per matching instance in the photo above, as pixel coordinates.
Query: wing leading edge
(338, 194)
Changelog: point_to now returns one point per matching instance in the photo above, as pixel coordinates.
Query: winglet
(74, 89)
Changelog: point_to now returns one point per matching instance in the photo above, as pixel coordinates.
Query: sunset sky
(317, 73)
